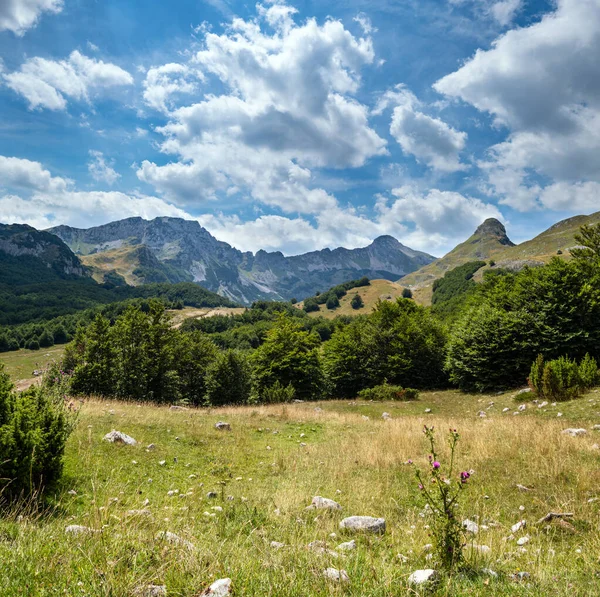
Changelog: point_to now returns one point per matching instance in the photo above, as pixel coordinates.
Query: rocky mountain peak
(495, 228)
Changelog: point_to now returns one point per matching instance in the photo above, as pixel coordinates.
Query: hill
(490, 242)
(377, 290)
(173, 250)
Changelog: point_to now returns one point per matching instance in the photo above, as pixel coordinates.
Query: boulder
(118, 437)
(220, 588)
(421, 577)
(364, 524)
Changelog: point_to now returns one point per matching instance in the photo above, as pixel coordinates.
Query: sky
(298, 125)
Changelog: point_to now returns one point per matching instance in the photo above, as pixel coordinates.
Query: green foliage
(34, 427)
(407, 293)
(552, 310)
(535, 374)
(399, 342)
(357, 302)
(588, 372)
(311, 305)
(195, 353)
(451, 291)
(442, 489)
(228, 379)
(386, 391)
(290, 356)
(333, 302)
(277, 393)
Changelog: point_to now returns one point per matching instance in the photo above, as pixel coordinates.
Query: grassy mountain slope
(490, 242)
(378, 289)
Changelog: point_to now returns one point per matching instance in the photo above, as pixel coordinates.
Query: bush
(310, 305)
(34, 428)
(33, 345)
(277, 393)
(333, 302)
(357, 302)
(560, 378)
(386, 391)
(407, 293)
(588, 372)
(228, 379)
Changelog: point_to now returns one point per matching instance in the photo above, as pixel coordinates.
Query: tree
(228, 379)
(46, 339)
(357, 302)
(407, 293)
(289, 355)
(310, 305)
(195, 354)
(333, 302)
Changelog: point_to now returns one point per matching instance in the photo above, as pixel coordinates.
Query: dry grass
(358, 462)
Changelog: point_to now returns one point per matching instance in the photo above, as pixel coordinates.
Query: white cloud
(543, 84)
(168, 80)
(50, 83)
(430, 140)
(21, 174)
(100, 170)
(33, 196)
(288, 107)
(505, 11)
(20, 15)
(583, 197)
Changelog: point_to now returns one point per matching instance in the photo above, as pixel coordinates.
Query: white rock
(573, 432)
(482, 548)
(420, 577)
(277, 545)
(365, 418)
(522, 407)
(220, 588)
(321, 503)
(542, 404)
(174, 407)
(222, 426)
(470, 526)
(366, 524)
(386, 416)
(78, 529)
(118, 437)
(596, 427)
(523, 540)
(336, 575)
(427, 410)
(489, 572)
(505, 410)
(518, 526)
(524, 391)
(348, 546)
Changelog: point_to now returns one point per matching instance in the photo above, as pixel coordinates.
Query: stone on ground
(152, 591)
(336, 575)
(118, 437)
(175, 539)
(222, 426)
(78, 529)
(573, 432)
(322, 503)
(364, 524)
(470, 526)
(420, 577)
(220, 588)
(348, 546)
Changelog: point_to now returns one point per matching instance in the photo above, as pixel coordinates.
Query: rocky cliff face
(188, 251)
(29, 255)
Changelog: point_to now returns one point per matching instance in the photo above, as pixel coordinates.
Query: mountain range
(175, 250)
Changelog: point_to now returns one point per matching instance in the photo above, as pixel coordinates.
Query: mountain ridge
(188, 252)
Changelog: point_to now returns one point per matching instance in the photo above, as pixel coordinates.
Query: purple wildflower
(436, 465)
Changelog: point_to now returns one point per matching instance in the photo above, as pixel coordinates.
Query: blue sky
(298, 125)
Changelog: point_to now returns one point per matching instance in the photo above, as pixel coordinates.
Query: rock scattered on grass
(320, 547)
(364, 524)
(573, 432)
(336, 575)
(222, 426)
(470, 526)
(118, 437)
(220, 588)
(151, 591)
(322, 503)
(421, 577)
(523, 540)
(518, 526)
(348, 546)
(211, 495)
(386, 416)
(175, 407)
(427, 410)
(277, 545)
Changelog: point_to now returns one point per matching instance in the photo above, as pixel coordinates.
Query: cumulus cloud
(20, 15)
(287, 107)
(543, 84)
(430, 140)
(501, 11)
(30, 194)
(101, 170)
(164, 82)
(50, 83)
